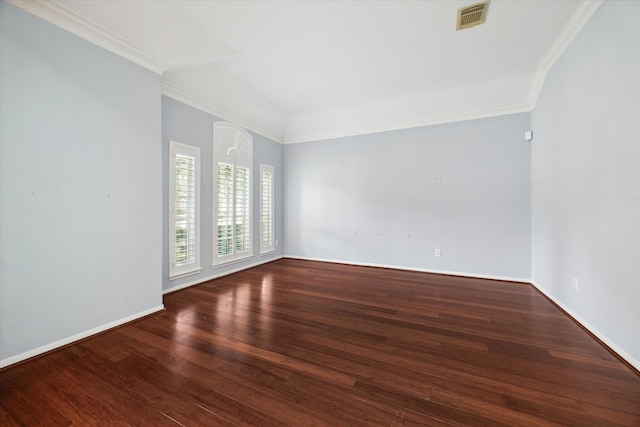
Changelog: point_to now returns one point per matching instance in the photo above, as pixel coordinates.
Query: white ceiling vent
(471, 16)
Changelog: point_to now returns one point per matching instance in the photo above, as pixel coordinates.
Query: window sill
(233, 261)
(185, 274)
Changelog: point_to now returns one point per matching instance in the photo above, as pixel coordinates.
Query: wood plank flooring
(300, 343)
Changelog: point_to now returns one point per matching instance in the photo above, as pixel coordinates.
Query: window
(184, 210)
(266, 210)
(233, 211)
(233, 159)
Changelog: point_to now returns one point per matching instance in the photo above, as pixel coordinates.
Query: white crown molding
(579, 18)
(62, 17)
(187, 98)
(491, 111)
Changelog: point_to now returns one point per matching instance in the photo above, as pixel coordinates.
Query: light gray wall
(80, 186)
(586, 178)
(188, 125)
(392, 198)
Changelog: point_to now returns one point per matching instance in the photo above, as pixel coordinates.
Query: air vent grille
(471, 16)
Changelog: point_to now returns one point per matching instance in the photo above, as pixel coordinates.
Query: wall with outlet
(453, 197)
(586, 179)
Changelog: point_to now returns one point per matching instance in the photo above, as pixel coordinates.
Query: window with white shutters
(233, 157)
(266, 209)
(184, 210)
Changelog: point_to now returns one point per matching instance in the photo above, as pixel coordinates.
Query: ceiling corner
(578, 20)
(62, 17)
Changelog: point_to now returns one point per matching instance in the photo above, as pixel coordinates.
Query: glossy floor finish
(304, 343)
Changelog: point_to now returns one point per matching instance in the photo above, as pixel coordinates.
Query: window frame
(233, 146)
(187, 269)
(270, 247)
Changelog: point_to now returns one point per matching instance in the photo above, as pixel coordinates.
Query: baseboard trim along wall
(421, 270)
(606, 341)
(217, 275)
(611, 346)
(78, 337)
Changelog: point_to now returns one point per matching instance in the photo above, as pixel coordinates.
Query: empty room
(309, 213)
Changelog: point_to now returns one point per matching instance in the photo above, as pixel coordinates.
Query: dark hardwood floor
(304, 343)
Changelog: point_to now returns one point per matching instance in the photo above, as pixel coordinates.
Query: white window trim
(175, 272)
(266, 249)
(232, 145)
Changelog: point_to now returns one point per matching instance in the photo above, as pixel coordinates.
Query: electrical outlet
(575, 284)
(528, 135)
(438, 252)
(276, 243)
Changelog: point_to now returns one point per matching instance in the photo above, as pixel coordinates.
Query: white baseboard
(602, 337)
(421, 270)
(82, 335)
(217, 275)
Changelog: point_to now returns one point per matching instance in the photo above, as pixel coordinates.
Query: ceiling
(307, 70)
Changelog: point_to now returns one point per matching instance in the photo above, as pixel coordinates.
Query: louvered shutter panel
(224, 211)
(243, 205)
(185, 210)
(266, 209)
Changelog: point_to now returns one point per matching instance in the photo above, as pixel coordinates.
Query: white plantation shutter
(185, 210)
(233, 156)
(243, 210)
(184, 222)
(224, 211)
(266, 209)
